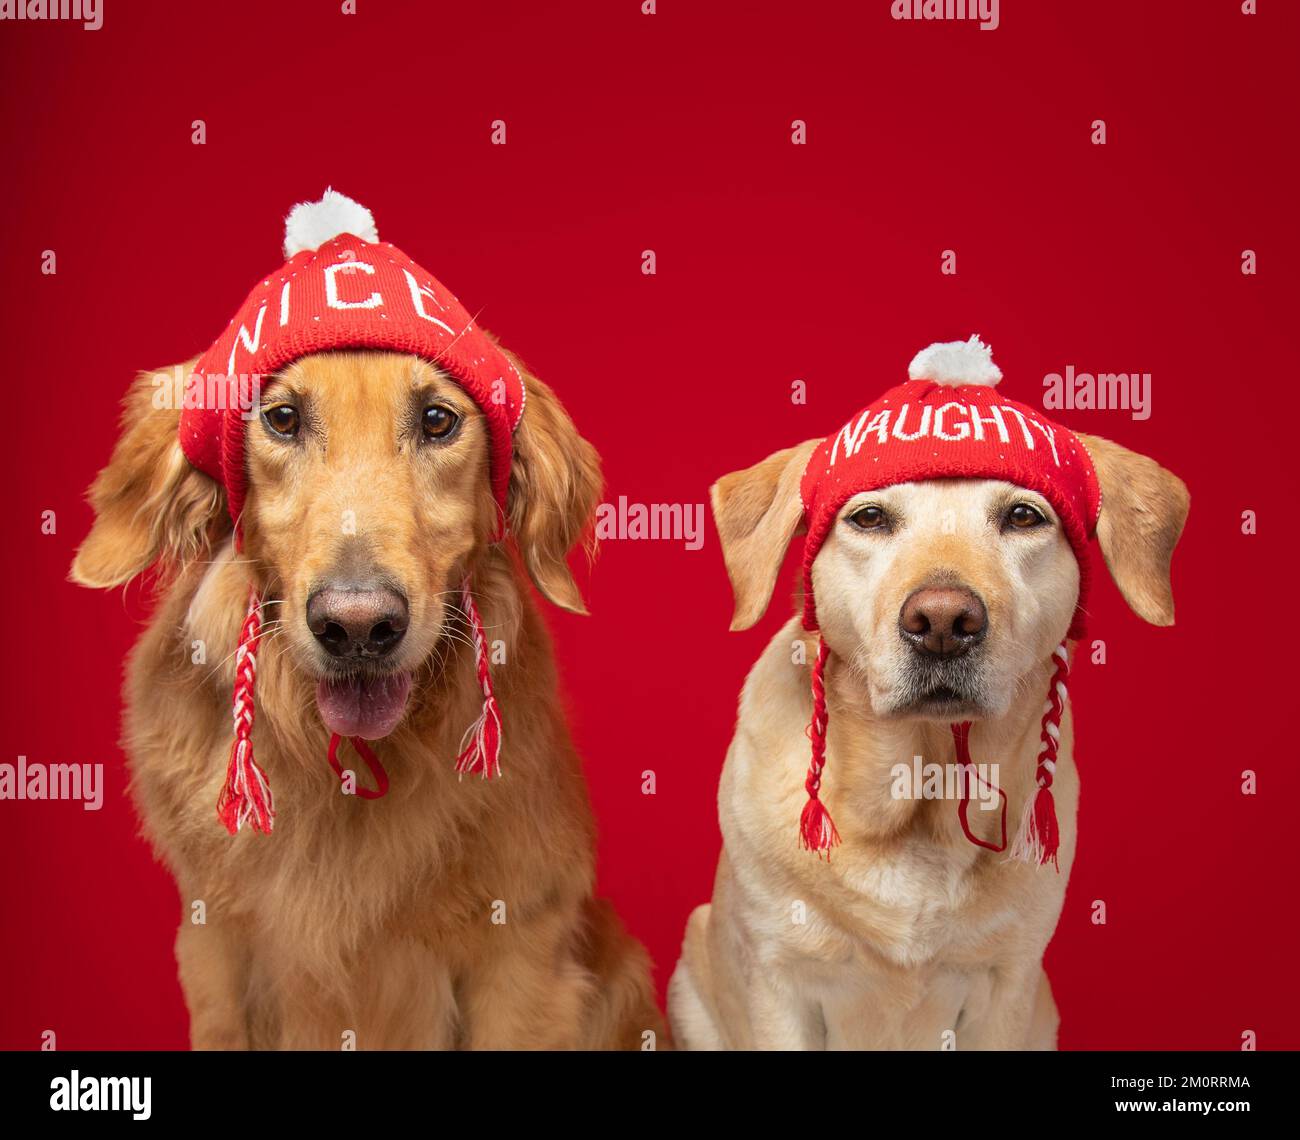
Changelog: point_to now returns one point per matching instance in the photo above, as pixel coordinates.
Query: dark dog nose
(944, 621)
(359, 621)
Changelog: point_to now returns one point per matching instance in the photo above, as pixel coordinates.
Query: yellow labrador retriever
(909, 935)
(450, 913)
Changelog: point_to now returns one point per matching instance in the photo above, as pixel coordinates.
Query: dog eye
(869, 518)
(282, 419)
(439, 422)
(1024, 517)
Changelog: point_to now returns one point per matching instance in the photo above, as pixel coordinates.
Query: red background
(775, 262)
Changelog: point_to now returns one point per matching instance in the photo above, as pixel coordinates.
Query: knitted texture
(945, 428)
(346, 293)
(349, 293)
(923, 430)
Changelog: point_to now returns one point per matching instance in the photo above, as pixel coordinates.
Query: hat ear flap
(758, 511)
(1143, 509)
(150, 503)
(555, 485)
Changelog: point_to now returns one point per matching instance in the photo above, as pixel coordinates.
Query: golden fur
(909, 936)
(368, 917)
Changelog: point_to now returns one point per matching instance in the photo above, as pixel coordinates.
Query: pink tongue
(368, 707)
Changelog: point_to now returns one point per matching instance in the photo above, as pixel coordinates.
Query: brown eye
(439, 422)
(869, 518)
(1024, 517)
(282, 419)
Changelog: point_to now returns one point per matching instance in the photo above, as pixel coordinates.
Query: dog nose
(357, 621)
(943, 621)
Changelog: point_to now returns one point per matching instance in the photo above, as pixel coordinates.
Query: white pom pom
(311, 224)
(956, 362)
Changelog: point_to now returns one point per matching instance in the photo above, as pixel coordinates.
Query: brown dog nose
(944, 621)
(359, 621)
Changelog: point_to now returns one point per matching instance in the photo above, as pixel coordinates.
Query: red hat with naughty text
(340, 288)
(949, 422)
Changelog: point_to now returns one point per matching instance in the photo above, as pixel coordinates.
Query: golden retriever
(450, 913)
(909, 936)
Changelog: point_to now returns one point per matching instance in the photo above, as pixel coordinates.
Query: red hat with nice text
(340, 288)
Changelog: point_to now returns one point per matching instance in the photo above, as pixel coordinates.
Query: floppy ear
(758, 512)
(1143, 508)
(150, 503)
(555, 485)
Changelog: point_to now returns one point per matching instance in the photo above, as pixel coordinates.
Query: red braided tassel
(816, 828)
(481, 744)
(1039, 837)
(1043, 835)
(246, 795)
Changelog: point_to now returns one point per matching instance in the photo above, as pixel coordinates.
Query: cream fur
(911, 932)
(909, 936)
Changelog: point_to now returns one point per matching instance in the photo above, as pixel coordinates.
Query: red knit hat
(340, 288)
(949, 422)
